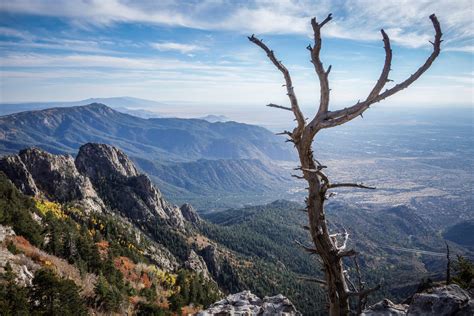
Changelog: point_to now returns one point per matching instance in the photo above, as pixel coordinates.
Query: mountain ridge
(65, 129)
(168, 149)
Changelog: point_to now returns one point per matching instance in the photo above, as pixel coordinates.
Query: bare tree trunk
(329, 247)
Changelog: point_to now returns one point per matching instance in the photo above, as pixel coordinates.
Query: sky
(196, 53)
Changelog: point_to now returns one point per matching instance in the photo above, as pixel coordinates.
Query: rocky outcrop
(444, 300)
(449, 300)
(189, 213)
(211, 258)
(197, 264)
(246, 303)
(119, 184)
(104, 161)
(54, 177)
(101, 178)
(386, 307)
(16, 171)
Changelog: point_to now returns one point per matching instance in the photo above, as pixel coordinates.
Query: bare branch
(279, 107)
(297, 176)
(318, 65)
(364, 293)
(353, 185)
(285, 133)
(347, 253)
(344, 243)
(288, 83)
(306, 248)
(312, 280)
(383, 79)
(335, 118)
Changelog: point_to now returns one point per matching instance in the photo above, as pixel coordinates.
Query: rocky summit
(246, 304)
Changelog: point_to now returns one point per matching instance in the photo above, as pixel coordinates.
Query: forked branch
(339, 117)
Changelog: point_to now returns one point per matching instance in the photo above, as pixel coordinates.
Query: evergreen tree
(13, 298)
(51, 295)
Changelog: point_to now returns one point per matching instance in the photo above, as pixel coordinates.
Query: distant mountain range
(134, 106)
(120, 103)
(185, 156)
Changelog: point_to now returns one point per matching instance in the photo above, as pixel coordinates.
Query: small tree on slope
(331, 248)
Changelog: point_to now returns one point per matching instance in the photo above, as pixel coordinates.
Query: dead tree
(329, 247)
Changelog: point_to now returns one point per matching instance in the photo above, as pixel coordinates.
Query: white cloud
(353, 19)
(465, 49)
(11, 32)
(179, 47)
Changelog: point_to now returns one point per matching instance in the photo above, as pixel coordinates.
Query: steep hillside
(100, 223)
(59, 259)
(397, 247)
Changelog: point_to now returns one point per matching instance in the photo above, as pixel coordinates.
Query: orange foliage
(103, 247)
(127, 267)
(21, 242)
(146, 280)
(188, 310)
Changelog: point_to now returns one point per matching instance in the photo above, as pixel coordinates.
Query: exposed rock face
(246, 303)
(120, 185)
(189, 213)
(108, 162)
(55, 177)
(445, 300)
(16, 171)
(197, 264)
(385, 307)
(210, 256)
(101, 178)
(448, 300)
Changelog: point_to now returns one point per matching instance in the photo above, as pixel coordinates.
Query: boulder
(196, 263)
(189, 213)
(448, 300)
(444, 300)
(246, 304)
(385, 308)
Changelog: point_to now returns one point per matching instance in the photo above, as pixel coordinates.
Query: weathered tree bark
(328, 246)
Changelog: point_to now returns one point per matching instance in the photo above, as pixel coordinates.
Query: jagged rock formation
(102, 178)
(16, 171)
(211, 258)
(121, 186)
(246, 303)
(189, 213)
(449, 300)
(196, 263)
(54, 177)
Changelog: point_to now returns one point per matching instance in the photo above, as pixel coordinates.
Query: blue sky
(196, 52)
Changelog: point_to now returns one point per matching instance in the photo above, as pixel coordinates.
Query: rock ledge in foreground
(247, 304)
